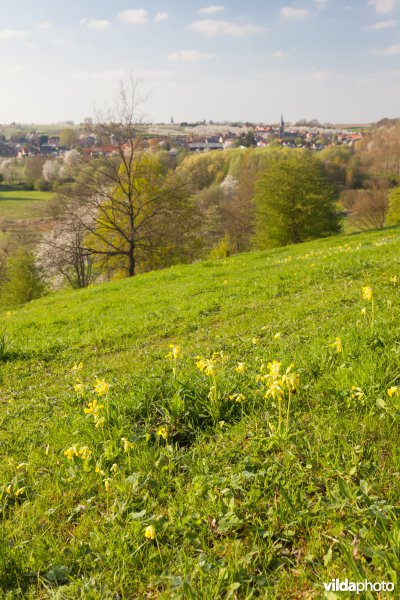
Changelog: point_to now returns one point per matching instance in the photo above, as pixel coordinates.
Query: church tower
(282, 127)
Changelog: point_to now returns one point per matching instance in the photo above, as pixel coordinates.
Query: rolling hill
(227, 429)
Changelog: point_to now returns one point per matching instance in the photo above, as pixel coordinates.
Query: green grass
(239, 508)
(23, 204)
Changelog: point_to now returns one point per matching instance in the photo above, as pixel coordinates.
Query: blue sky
(334, 60)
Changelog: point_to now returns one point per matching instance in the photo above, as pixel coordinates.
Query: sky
(333, 60)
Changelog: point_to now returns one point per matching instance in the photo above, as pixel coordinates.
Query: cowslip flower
(101, 388)
(79, 387)
(240, 368)
(337, 345)
(77, 367)
(127, 445)
(277, 335)
(237, 397)
(393, 391)
(150, 532)
(357, 393)
(174, 353)
(162, 432)
(18, 492)
(84, 452)
(394, 280)
(71, 452)
(367, 293)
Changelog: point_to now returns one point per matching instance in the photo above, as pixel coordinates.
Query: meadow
(227, 429)
(21, 204)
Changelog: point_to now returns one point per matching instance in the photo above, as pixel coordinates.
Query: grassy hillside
(151, 448)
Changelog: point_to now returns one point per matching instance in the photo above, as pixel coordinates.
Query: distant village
(21, 141)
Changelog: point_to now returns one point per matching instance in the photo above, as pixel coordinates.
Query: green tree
(393, 214)
(23, 281)
(294, 201)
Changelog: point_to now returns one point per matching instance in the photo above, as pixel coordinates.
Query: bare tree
(122, 195)
(367, 208)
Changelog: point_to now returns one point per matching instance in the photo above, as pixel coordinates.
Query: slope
(150, 447)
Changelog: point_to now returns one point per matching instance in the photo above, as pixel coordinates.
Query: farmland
(146, 450)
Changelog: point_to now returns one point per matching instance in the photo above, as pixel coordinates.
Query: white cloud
(99, 24)
(295, 13)
(210, 28)
(389, 51)
(321, 4)
(45, 25)
(161, 16)
(320, 75)
(211, 10)
(115, 75)
(12, 34)
(383, 25)
(190, 55)
(383, 6)
(135, 16)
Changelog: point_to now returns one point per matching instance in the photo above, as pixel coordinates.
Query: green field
(201, 472)
(22, 204)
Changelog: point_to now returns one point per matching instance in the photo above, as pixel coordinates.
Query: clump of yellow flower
(83, 452)
(237, 398)
(77, 367)
(126, 444)
(208, 365)
(150, 532)
(393, 391)
(162, 432)
(174, 353)
(279, 385)
(79, 387)
(367, 293)
(277, 335)
(357, 393)
(94, 408)
(394, 280)
(101, 387)
(241, 367)
(337, 345)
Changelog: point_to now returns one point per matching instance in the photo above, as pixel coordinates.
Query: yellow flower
(99, 471)
(99, 422)
(18, 492)
(93, 408)
(275, 390)
(174, 353)
(278, 335)
(79, 387)
(255, 341)
(126, 444)
(162, 432)
(364, 311)
(367, 293)
(394, 280)
(71, 452)
(150, 532)
(206, 366)
(101, 388)
(222, 424)
(237, 397)
(274, 368)
(77, 367)
(393, 391)
(357, 393)
(337, 345)
(84, 452)
(107, 484)
(8, 489)
(114, 468)
(240, 368)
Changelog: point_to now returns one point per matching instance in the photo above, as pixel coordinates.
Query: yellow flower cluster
(208, 365)
(162, 432)
(94, 408)
(101, 388)
(83, 452)
(367, 293)
(174, 353)
(150, 532)
(278, 383)
(337, 345)
(393, 391)
(356, 392)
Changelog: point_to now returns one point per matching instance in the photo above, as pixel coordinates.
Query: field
(22, 213)
(151, 447)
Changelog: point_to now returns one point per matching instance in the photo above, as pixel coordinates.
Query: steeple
(282, 127)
